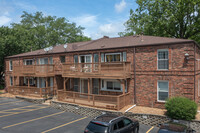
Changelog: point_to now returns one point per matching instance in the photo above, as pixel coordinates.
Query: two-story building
(109, 72)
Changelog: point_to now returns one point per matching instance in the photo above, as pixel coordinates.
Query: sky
(98, 17)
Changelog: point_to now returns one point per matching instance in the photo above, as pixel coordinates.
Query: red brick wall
(180, 74)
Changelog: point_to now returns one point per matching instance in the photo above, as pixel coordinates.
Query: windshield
(97, 128)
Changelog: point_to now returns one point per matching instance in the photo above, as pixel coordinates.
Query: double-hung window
(62, 59)
(10, 65)
(113, 57)
(163, 59)
(28, 62)
(11, 81)
(163, 90)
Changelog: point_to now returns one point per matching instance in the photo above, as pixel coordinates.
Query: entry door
(95, 87)
(84, 85)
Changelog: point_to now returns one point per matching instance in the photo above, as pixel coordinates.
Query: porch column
(124, 87)
(46, 85)
(28, 83)
(64, 84)
(88, 89)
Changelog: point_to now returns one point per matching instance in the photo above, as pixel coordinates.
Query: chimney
(105, 36)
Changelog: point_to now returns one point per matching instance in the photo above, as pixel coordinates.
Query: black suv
(109, 123)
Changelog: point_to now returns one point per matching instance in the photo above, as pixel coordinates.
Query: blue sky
(99, 17)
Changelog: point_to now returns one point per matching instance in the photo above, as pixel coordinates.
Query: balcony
(101, 101)
(34, 70)
(119, 70)
(31, 91)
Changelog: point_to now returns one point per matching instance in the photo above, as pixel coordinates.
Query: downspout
(135, 100)
(194, 71)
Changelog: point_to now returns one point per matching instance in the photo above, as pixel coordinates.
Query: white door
(86, 59)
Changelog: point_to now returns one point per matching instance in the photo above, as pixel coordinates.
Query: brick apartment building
(109, 72)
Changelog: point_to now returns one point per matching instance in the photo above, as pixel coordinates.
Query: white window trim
(162, 91)
(11, 81)
(79, 59)
(113, 54)
(27, 60)
(112, 80)
(10, 65)
(163, 59)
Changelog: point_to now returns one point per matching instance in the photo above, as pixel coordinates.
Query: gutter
(130, 108)
(134, 65)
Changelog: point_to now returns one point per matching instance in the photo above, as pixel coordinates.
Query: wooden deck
(100, 101)
(119, 70)
(31, 91)
(33, 70)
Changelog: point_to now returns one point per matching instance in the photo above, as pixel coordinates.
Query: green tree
(36, 31)
(169, 18)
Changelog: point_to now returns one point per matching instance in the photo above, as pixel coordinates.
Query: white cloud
(86, 20)
(119, 7)
(25, 6)
(4, 20)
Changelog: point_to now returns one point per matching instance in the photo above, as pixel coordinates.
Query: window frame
(162, 59)
(11, 81)
(61, 59)
(161, 91)
(104, 82)
(120, 54)
(10, 65)
(25, 61)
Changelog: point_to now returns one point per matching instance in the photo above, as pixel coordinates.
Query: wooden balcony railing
(101, 101)
(106, 69)
(40, 70)
(32, 91)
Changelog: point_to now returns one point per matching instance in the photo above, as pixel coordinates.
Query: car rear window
(97, 128)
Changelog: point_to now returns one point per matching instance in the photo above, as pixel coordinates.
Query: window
(43, 61)
(10, 65)
(50, 60)
(75, 58)
(120, 124)
(28, 62)
(163, 90)
(102, 57)
(124, 56)
(127, 122)
(112, 85)
(163, 60)
(76, 81)
(113, 57)
(96, 58)
(11, 81)
(31, 81)
(62, 59)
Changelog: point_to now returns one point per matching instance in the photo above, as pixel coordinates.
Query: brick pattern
(180, 74)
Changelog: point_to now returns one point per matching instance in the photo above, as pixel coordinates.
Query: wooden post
(28, 83)
(73, 97)
(118, 103)
(124, 87)
(93, 100)
(99, 86)
(88, 89)
(40, 92)
(64, 84)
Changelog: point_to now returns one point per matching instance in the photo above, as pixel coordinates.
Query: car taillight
(86, 130)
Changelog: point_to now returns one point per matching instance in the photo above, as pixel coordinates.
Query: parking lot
(18, 116)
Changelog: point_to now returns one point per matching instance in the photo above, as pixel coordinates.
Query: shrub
(181, 108)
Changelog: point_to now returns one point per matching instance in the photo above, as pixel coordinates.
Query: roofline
(169, 43)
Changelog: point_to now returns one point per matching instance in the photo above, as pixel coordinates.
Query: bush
(181, 108)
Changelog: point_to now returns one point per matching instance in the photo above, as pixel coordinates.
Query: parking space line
(34, 105)
(11, 102)
(33, 120)
(63, 125)
(150, 129)
(28, 110)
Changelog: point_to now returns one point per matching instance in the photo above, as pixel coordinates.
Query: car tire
(136, 130)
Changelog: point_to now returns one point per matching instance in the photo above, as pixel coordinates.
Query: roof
(106, 117)
(107, 43)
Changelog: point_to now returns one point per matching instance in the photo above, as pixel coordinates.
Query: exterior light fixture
(187, 56)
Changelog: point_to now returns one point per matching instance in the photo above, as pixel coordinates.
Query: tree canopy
(169, 18)
(36, 31)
